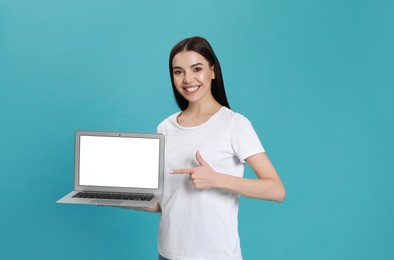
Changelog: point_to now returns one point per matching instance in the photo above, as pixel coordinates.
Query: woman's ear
(213, 71)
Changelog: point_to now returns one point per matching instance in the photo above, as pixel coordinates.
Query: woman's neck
(205, 108)
(196, 114)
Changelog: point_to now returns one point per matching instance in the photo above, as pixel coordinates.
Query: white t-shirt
(203, 224)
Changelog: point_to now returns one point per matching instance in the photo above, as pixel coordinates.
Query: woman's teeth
(191, 89)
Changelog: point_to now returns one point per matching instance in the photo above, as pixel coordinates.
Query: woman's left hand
(202, 176)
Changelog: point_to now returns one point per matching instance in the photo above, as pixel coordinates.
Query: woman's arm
(268, 186)
(155, 208)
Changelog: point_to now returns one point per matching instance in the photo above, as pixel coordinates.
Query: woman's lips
(191, 89)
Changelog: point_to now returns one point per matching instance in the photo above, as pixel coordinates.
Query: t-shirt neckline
(197, 126)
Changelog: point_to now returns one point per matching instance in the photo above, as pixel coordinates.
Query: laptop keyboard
(114, 196)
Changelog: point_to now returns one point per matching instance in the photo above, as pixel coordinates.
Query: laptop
(121, 169)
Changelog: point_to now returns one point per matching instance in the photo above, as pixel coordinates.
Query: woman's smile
(191, 89)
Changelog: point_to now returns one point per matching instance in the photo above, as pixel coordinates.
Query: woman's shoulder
(170, 120)
(233, 116)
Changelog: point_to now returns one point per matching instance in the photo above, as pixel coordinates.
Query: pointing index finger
(181, 171)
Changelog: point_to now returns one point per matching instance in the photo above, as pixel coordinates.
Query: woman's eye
(197, 69)
(177, 72)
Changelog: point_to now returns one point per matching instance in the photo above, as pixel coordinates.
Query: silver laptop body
(111, 167)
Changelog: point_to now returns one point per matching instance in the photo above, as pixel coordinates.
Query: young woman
(207, 145)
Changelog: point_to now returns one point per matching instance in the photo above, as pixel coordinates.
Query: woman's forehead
(188, 58)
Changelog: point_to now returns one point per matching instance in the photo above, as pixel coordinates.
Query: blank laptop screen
(119, 162)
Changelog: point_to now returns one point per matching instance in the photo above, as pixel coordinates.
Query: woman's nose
(187, 78)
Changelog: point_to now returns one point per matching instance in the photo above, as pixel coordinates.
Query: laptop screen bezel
(80, 133)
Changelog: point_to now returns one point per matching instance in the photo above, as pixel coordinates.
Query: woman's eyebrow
(192, 66)
(197, 64)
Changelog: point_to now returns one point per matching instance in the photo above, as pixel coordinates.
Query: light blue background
(314, 77)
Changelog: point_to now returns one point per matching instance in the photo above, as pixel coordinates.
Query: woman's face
(192, 75)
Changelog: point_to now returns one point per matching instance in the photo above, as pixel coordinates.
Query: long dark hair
(202, 47)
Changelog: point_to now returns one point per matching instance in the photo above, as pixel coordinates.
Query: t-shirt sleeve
(244, 139)
(159, 128)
